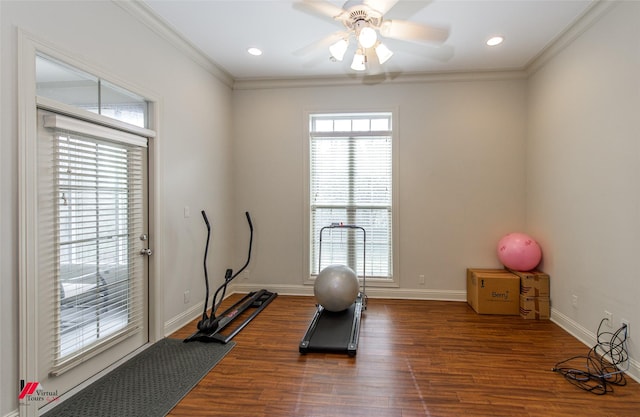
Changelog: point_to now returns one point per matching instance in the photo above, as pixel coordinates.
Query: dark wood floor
(415, 358)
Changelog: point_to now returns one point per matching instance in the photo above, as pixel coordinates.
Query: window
(66, 84)
(350, 182)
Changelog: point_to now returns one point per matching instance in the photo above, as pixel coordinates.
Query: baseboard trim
(178, 322)
(372, 292)
(589, 339)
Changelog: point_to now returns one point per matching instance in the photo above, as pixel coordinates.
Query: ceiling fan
(365, 23)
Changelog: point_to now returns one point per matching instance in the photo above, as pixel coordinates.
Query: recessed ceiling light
(254, 51)
(495, 40)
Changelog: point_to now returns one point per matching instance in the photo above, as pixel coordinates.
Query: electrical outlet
(622, 323)
(574, 301)
(246, 274)
(187, 296)
(421, 279)
(609, 318)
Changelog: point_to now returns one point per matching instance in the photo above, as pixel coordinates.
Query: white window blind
(91, 221)
(351, 183)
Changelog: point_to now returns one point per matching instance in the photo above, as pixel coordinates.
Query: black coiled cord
(601, 369)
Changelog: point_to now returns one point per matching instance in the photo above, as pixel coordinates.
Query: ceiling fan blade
(432, 52)
(374, 79)
(321, 45)
(410, 31)
(406, 9)
(382, 6)
(319, 8)
(373, 63)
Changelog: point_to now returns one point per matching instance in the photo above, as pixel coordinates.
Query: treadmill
(337, 332)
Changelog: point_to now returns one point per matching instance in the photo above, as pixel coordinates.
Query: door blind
(96, 277)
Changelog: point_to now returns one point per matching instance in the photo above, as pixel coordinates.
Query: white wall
(461, 175)
(583, 159)
(195, 144)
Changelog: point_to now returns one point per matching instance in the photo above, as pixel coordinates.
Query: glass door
(93, 249)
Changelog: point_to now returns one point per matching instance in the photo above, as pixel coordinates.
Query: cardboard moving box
(493, 291)
(534, 283)
(535, 308)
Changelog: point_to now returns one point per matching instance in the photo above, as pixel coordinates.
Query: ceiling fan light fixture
(358, 63)
(383, 53)
(338, 49)
(367, 37)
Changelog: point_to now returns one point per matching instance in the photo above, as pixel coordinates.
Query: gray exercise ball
(336, 287)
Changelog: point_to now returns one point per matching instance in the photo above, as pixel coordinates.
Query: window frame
(28, 103)
(308, 277)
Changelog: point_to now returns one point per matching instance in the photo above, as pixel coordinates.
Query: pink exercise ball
(519, 251)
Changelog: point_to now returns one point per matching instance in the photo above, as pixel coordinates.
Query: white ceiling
(291, 38)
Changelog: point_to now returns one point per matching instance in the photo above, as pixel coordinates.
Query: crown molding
(594, 13)
(386, 79)
(150, 19)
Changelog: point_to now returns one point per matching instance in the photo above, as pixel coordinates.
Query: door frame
(28, 47)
